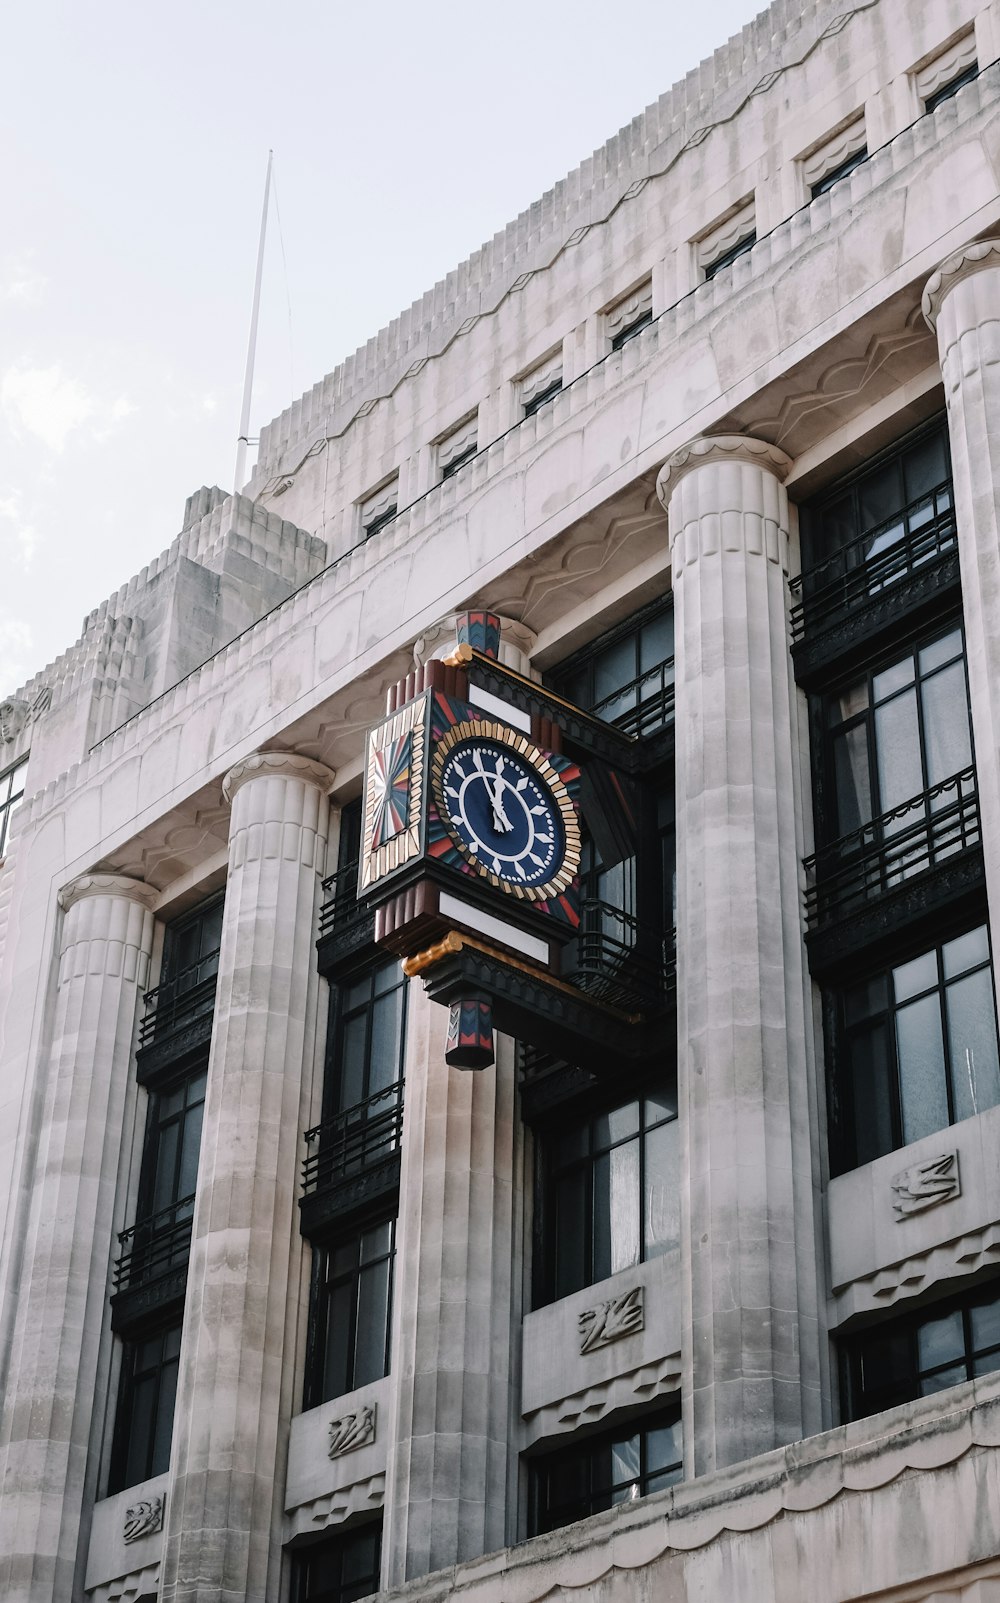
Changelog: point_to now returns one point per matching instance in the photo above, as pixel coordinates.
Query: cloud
(23, 536)
(46, 402)
(19, 281)
(15, 654)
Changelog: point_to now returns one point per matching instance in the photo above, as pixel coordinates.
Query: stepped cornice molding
(973, 258)
(709, 449)
(130, 890)
(285, 763)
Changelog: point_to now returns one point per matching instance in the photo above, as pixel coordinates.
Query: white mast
(241, 449)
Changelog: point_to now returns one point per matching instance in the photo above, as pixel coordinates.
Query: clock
(503, 806)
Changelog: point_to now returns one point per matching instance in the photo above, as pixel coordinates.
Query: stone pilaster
(962, 303)
(446, 1496)
(234, 1397)
(751, 1353)
(107, 934)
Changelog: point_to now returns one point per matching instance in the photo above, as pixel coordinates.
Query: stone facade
(635, 403)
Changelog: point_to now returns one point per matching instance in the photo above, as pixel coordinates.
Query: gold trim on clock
(405, 846)
(503, 735)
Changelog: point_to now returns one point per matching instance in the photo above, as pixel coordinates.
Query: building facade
(290, 1309)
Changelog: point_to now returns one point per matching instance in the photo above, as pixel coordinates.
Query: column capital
(120, 885)
(517, 642)
(972, 258)
(287, 764)
(712, 449)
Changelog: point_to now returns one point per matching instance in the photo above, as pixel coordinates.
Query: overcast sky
(134, 140)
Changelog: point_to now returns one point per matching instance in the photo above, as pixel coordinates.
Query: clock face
(502, 812)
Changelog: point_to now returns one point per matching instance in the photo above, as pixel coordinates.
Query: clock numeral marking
(546, 840)
(519, 870)
(457, 820)
(477, 758)
(451, 791)
(538, 812)
(522, 783)
(538, 861)
(496, 865)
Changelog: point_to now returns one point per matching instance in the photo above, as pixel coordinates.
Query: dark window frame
(843, 169)
(543, 397)
(728, 257)
(630, 330)
(338, 1548)
(10, 799)
(581, 1454)
(575, 677)
(948, 90)
(327, 1279)
(860, 1402)
(155, 1459)
(376, 524)
(459, 461)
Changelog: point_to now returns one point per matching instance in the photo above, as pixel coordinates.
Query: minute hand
(500, 818)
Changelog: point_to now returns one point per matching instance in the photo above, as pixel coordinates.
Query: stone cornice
(973, 258)
(709, 449)
(130, 890)
(285, 763)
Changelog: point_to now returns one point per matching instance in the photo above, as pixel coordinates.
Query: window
(896, 733)
(188, 974)
(379, 509)
(842, 170)
(835, 157)
(368, 1036)
(921, 1353)
(353, 1305)
(460, 447)
(627, 675)
(145, 1415)
(611, 1192)
(899, 499)
(629, 316)
(340, 1569)
(728, 257)
(11, 796)
(541, 386)
(160, 1240)
(617, 1466)
(951, 88)
(917, 1048)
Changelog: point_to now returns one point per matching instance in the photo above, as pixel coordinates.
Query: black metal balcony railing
(181, 1000)
(913, 539)
(354, 1141)
(644, 705)
(155, 1245)
(341, 910)
(882, 855)
(616, 960)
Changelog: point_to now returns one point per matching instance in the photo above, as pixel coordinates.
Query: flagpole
(241, 448)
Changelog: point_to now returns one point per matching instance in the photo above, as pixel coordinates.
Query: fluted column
(234, 1399)
(48, 1401)
(446, 1494)
(751, 1374)
(962, 303)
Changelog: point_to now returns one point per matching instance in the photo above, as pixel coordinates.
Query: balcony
(355, 1158)
(345, 924)
(151, 1271)
(644, 706)
(922, 855)
(887, 575)
(616, 960)
(178, 1016)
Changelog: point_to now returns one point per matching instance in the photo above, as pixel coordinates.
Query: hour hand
(500, 820)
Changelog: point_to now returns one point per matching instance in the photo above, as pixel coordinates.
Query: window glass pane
(880, 494)
(662, 1201)
(941, 651)
(658, 1107)
(986, 1363)
(618, 1125)
(141, 1425)
(947, 740)
(572, 1234)
(985, 1323)
(972, 1043)
(187, 1172)
(339, 1319)
(922, 1092)
(925, 466)
(920, 974)
(853, 784)
(848, 703)
(890, 680)
(357, 993)
(373, 1322)
(352, 1061)
(387, 1029)
(573, 1144)
(614, 666)
(941, 1379)
(664, 1446)
(866, 1000)
(624, 1466)
(160, 1460)
(166, 1163)
(898, 752)
(377, 1242)
(656, 640)
(886, 1361)
(623, 1163)
(870, 1067)
(965, 952)
(940, 1341)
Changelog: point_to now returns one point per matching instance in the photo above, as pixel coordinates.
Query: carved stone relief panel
(611, 1320)
(925, 1184)
(353, 1430)
(144, 1518)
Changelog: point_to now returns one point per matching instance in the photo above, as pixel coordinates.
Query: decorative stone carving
(144, 1518)
(353, 1430)
(983, 253)
(287, 763)
(16, 712)
(925, 1184)
(132, 890)
(721, 448)
(611, 1320)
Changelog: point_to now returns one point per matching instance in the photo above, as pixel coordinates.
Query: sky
(133, 146)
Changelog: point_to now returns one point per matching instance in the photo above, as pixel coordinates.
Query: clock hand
(500, 819)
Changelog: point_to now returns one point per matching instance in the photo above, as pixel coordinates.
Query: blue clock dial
(503, 813)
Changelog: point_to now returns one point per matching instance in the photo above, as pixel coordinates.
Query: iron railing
(181, 1000)
(882, 855)
(154, 1245)
(616, 960)
(354, 1141)
(341, 910)
(920, 535)
(644, 705)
